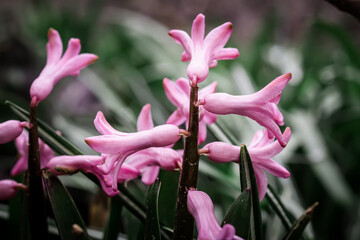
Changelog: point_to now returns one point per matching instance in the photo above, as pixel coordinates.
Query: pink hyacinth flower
(149, 161)
(88, 164)
(22, 146)
(179, 94)
(11, 129)
(261, 150)
(204, 53)
(201, 208)
(260, 106)
(9, 188)
(118, 145)
(58, 67)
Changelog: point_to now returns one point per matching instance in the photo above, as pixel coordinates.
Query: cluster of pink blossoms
(125, 156)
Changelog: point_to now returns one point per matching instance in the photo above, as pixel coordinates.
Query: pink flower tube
(58, 67)
(201, 208)
(260, 106)
(11, 129)
(261, 150)
(204, 53)
(22, 146)
(118, 146)
(88, 164)
(179, 94)
(9, 188)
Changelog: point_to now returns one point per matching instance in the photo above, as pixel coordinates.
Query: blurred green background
(311, 39)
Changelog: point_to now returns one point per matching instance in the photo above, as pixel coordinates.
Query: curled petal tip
(93, 59)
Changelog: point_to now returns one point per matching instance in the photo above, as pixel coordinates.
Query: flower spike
(201, 208)
(58, 67)
(204, 53)
(261, 150)
(260, 106)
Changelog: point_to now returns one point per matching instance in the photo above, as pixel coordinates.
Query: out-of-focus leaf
(152, 226)
(248, 180)
(279, 208)
(58, 143)
(68, 219)
(112, 227)
(298, 228)
(238, 214)
(108, 98)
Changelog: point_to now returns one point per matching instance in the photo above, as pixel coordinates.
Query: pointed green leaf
(58, 143)
(238, 214)
(112, 227)
(152, 226)
(247, 177)
(67, 216)
(298, 228)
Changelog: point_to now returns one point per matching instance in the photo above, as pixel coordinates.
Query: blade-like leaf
(300, 225)
(279, 208)
(58, 143)
(152, 226)
(247, 177)
(238, 214)
(67, 216)
(112, 227)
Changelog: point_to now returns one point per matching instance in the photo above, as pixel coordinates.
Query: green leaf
(67, 216)
(238, 214)
(112, 227)
(275, 202)
(300, 225)
(152, 226)
(58, 143)
(248, 180)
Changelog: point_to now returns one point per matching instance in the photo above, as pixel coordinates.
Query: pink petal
(54, 47)
(202, 132)
(226, 54)
(201, 208)
(185, 56)
(271, 91)
(184, 84)
(221, 152)
(104, 127)
(217, 38)
(209, 117)
(145, 121)
(174, 93)
(72, 50)
(150, 174)
(211, 88)
(10, 130)
(9, 188)
(227, 232)
(261, 181)
(182, 38)
(272, 167)
(74, 65)
(198, 30)
(269, 148)
(177, 118)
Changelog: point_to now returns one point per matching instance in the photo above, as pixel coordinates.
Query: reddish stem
(36, 201)
(184, 222)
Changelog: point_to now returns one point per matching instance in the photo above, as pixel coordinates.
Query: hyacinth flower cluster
(126, 156)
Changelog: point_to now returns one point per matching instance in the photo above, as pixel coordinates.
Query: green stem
(184, 222)
(36, 201)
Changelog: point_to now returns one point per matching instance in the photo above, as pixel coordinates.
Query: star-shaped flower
(204, 53)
